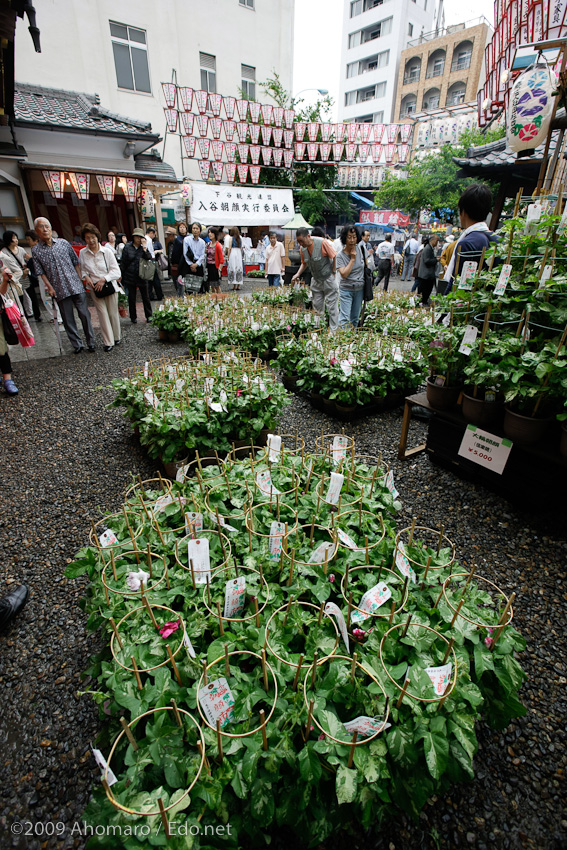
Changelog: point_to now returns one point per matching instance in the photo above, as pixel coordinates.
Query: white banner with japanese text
(240, 205)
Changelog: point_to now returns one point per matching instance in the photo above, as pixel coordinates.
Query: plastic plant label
(198, 553)
(103, 765)
(335, 487)
(447, 320)
(346, 367)
(502, 283)
(389, 482)
(109, 538)
(264, 482)
(277, 531)
(563, 222)
(440, 677)
(532, 218)
(208, 385)
(334, 611)
(234, 597)
(274, 447)
(146, 369)
(467, 274)
(440, 380)
(469, 337)
(216, 700)
(218, 408)
(403, 564)
(412, 301)
(151, 398)
(188, 645)
(223, 523)
(371, 601)
(486, 449)
(366, 726)
(346, 539)
(339, 449)
(545, 275)
(318, 556)
(193, 522)
(163, 502)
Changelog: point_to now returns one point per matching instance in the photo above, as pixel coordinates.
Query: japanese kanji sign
(241, 205)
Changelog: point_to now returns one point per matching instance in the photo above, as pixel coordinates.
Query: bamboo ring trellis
(116, 635)
(238, 571)
(404, 691)
(322, 613)
(456, 609)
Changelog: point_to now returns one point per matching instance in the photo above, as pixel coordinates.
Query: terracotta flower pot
(122, 311)
(524, 429)
(480, 412)
(441, 398)
(173, 336)
(163, 335)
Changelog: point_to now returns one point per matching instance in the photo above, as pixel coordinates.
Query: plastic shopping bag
(19, 323)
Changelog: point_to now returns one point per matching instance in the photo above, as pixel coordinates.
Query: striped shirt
(57, 262)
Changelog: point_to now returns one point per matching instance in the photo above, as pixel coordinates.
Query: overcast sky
(318, 58)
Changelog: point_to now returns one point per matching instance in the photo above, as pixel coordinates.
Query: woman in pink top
(275, 256)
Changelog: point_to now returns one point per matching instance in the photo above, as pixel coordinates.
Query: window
(248, 82)
(436, 66)
(462, 60)
(371, 4)
(355, 8)
(456, 94)
(410, 29)
(371, 63)
(130, 57)
(412, 72)
(377, 30)
(352, 69)
(366, 94)
(248, 3)
(431, 99)
(350, 98)
(365, 119)
(208, 65)
(354, 39)
(358, 6)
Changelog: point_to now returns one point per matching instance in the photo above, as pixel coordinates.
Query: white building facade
(123, 50)
(374, 34)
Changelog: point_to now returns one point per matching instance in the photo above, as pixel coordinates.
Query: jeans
(350, 305)
(274, 280)
(408, 265)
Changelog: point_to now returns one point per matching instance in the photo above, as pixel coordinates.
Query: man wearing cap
(155, 248)
(133, 252)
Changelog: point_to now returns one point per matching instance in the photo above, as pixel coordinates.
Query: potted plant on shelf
(446, 364)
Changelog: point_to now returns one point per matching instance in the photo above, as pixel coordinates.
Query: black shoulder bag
(368, 293)
(108, 286)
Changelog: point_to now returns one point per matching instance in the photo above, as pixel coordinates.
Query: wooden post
(309, 716)
(290, 600)
(136, 673)
(501, 622)
(456, 614)
(403, 692)
(226, 661)
(219, 739)
(116, 634)
(297, 672)
(113, 565)
(174, 665)
(176, 712)
(352, 748)
(151, 613)
(265, 670)
(448, 652)
(407, 625)
(256, 612)
(164, 819)
(220, 619)
(128, 733)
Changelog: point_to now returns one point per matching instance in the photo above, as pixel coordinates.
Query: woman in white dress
(235, 260)
(15, 258)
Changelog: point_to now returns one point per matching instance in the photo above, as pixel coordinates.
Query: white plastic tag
(503, 279)
(403, 564)
(318, 556)
(277, 531)
(440, 677)
(467, 274)
(264, 482)
(469, 336)
(216, 700)
(193, 522)
(370, 602)
(366, 726)
(335, 611)
(339, 449)
(163, 502)
(234, 597)
(545, 275)
(274, 447)
(346, 539)
(151, 398)
(146, 369)
(198, 552)
(335, 486)
(109, 538)
(389, 482)
(103, 765)
(346, 367)
(188, 645)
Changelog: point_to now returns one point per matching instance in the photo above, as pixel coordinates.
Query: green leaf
(436, 753)
(262, 804)
(309, 765)
(483, 659)
(345, 785)
(401, 746)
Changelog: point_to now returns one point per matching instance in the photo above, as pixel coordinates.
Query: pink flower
(334, 361)
(238, 393)
(331, 578)
(358, 633)
(321, 737)
(288, 328)
(311, 728)
(488, 640)
(169, 628)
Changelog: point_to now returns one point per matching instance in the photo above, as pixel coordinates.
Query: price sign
(335, 486)
(502, 283)
(486, 449)
(366, 726)
(216, 700)
(234, 597)
(335, 611)
(469, 337)
(468, 272)
(277, 531)
(440, 677)
(370, 602)
(198, 552)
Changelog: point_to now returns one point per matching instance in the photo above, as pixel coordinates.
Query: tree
(308, 180)
(432, 182)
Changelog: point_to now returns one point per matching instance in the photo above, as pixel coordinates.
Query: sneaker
(10, 387)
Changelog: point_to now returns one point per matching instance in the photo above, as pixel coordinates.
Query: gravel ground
(66, 458)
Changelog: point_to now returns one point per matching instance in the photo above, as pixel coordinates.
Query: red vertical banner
(242, 109)
(352, 132)
(378, 132)
(229, 106)
(376, 153)
(218, 148)
(266, 155)
(254, 130)
(350, 151)
(243, 152)
(217, 170)
(338, 150)
(288, 157)
(230, 172)
(326, 130)
(289, 117)
(204, 168)
(171, 119)
(312, 149)
(325, 148)
(288, 138)
(365, 131)
(405, 132)
(277, 133)
(363, 152)
(339, 130)
(312, 131)
(242, 130)
(392, 133)
(203, 124)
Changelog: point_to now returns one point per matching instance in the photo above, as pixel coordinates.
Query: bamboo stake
(164, 820)
(136, 673)
(128, 733)
(256, 612)
(176, 713)
(151, 613)
(438, 600)
(192, 573)
(392, 612)
(352, 748)
(263, 724)
(226, 661)
(448, 652)
(219, 739)
(205, 680)
(456, 614)
(115, 630)
(321, 610)
(220, 619)
(468, 581)
(297, 672)
(291, 568)
(206, 761)
(353, 667)
(349, 610)
(113, 565)
(501, 621)
(265, 670)
(174, 665)
(403, 692)
(314, 671)
(309, 716)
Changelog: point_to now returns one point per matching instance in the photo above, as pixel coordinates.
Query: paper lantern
(266, 132)
(392, 131)
(218, 147)
(216, 127)
(338, 150)
(312, 149)
(255, 153)
(312, 131)
(186, 95)
(229, 104)
(81, 185)
(254, 111)
(405, 132)
(277, 153)
(146, 203)
(107, 186)
(55, 183)
(350, 152)
(243, 152)
(254, 130)
(229, 128)
(217, 170)
(278, 114)
(352, 131)
(186, 194)
(390, 150)
(215, 103)
(325, 148)
(230, 151)
(326, 129)
(339, 130)
(203, 124)
(230, 172)
(242, 109)
(171, 119)
(288, 157)
(204, 168)
(300, 127)
(129, 186)
(201, 98)
(266, 155)
(277, 134)
(289, 117)
(242, 172)
(204, 146)
(190, 142)
(169, 93)
(267, 111)
(378, 132)
(188, 120)
(531, 104)
(403, 153)
(255, 173)
(363, 151)
(242, 130)
(299, 150)
(288, 138)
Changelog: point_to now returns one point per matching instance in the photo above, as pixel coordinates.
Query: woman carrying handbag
(5, 365)
(100, 273)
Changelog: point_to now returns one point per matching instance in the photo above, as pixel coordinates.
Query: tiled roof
(496, 156)
(149, 163)
(73, 112)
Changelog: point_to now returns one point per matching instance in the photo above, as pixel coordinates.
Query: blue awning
(363, 199)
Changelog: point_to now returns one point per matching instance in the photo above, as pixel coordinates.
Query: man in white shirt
(410, 251)
(385, 256)
(369, 250)
(275, 259)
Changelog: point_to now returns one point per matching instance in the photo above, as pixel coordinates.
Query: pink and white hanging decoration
(215, 103)
(186, 95)
(204, 168)
(188, 120)
(203, 124)
(254, 130)
(171, 119)
(254, 108)
(230, 151)
(190, 142)
(230, 172)
(204, 146)
(169, 93)
(229, 105)
(201, 97)
(255, 173)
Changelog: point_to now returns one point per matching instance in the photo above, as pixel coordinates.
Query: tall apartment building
(123, 50)
(442, 70)
(375, 32)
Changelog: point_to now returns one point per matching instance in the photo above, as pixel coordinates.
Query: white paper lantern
(529, 113)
